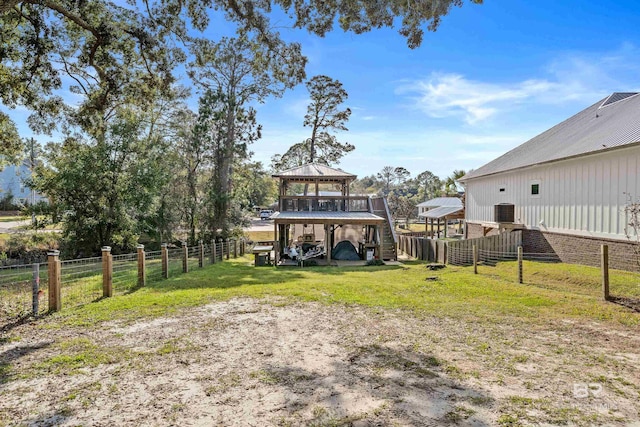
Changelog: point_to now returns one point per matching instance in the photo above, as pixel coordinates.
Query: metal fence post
(604, 252)
(165, 260)
(35, 304)
(519, 264)
(185, 257)
(107, 272)
(201, 254)
(213, 251)
(53, 264)
(142, 268)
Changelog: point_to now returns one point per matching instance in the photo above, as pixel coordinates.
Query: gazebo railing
(325, 204)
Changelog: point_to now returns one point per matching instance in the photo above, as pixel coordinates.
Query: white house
(12, 181)
(573, 180)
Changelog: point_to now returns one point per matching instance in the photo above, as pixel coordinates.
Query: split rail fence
(33, 289)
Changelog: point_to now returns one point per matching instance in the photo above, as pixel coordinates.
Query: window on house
(535, 189)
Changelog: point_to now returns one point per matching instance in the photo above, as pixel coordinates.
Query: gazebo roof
(314, 171)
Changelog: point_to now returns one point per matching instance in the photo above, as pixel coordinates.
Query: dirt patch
(253, 363)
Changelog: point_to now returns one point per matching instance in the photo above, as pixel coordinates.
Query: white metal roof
(610, 123)
(440, 212)
(441, 201)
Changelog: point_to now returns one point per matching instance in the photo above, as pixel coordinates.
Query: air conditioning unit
(504, 212)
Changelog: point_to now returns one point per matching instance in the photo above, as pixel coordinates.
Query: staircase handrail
(390, 220)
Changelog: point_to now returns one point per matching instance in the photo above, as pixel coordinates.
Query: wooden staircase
(389, 238)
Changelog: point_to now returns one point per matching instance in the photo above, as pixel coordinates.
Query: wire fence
(153, 270)
(125, 273)
(614, 277)
(81, 281)
(193, 257)
(24, 289)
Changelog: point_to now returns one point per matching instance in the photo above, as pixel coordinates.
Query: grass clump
(76, 354)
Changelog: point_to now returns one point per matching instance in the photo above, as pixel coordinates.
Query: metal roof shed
(444, 214)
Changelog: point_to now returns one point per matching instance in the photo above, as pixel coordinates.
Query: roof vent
(617, 96)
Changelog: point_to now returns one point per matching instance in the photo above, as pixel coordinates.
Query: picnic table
(261, 250)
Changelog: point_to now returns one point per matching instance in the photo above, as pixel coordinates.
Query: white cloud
(448, 94)
(297, 108)
(568, 78)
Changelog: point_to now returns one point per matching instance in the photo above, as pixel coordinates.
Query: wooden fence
(422, 248)
(502, 246)
(33, 289)
(460, 252)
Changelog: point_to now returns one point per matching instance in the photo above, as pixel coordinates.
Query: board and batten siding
(584, 196)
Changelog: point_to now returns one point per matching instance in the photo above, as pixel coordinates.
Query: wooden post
(519, 264)
(142, 266)
(276, 238)
(276, 253)
(235, 248)
(201, 254)
(445, 252)
(227, 245)
(185, 257)
(380, 229)
(165, 260)
(213, 251)
(53, 265)
(604, 252)
(107, 272)
(328, 243)
(475, 259)
(35, 288)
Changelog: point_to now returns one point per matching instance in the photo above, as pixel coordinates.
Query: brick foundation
(572, 249)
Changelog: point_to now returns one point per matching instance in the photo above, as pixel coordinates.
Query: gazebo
(338, 217)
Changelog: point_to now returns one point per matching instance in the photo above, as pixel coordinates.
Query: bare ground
(250, 362)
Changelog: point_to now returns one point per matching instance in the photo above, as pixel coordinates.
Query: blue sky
(491, 77)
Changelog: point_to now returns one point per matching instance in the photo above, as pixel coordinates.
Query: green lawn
(517, 349)
(550, 292)
(259, 236)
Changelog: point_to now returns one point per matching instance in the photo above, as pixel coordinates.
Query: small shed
(442, 215)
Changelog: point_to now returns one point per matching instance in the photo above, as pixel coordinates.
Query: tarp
(345, 251)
